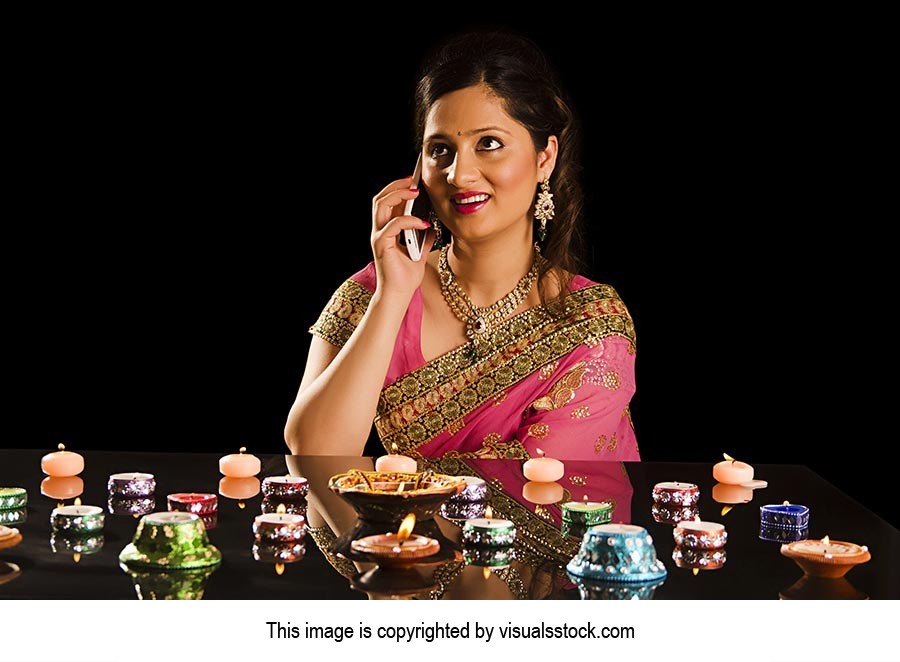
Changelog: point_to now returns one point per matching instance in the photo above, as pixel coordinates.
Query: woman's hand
(397, 273)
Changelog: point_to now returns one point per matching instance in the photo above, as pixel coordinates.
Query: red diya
(189, 502)
(826, 557)
(398, 549)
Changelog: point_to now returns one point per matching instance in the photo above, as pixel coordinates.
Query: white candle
(732, 472)
(543, 469)
(239, 465)
(396, 463)
(62, 463)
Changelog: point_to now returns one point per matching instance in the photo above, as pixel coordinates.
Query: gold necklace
(479, 321)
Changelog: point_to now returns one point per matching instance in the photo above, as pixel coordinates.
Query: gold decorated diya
(387, 496)
(826, 557)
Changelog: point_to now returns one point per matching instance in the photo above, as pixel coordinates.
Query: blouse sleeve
(346, 307)
(583, 415)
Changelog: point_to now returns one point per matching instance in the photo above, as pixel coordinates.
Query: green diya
(587, 513)
(13, 498)
(170, 541)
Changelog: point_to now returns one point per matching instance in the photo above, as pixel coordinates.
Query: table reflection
(38, 567)
(822, 588)
(172, 585)
(534, 567)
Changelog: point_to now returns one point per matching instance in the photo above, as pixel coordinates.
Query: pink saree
(560, 383)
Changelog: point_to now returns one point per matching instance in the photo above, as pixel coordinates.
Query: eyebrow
(469, 133)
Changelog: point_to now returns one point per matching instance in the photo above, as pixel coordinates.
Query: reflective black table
(754, 568)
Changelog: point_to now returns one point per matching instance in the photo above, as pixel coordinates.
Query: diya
(382, 499)
(617, 553)
(826, 557)
(403, 548)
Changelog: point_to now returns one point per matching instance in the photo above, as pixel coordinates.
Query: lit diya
(489, 531)
(77, 520)
(402, 548)
(826, 557)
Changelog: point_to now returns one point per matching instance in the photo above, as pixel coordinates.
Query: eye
(486, 142)
(435, 151)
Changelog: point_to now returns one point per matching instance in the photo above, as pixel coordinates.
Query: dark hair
(515, 69)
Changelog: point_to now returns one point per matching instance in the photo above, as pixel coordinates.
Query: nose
(463, 171)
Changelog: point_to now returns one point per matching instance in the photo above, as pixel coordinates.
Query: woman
(491, 346)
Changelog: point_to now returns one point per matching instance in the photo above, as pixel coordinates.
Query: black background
(184, 201)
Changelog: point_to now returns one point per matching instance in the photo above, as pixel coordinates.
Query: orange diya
(826, 557)
(401, 548)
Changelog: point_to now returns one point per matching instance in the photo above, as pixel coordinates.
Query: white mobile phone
(414, 239)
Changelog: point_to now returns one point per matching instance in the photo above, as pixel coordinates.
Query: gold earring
(436, 224)
(543, 207)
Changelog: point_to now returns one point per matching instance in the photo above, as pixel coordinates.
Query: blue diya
(617, 553)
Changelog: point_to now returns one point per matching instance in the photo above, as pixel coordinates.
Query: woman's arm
(338, 395)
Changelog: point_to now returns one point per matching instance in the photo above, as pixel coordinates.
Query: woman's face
(480, 167)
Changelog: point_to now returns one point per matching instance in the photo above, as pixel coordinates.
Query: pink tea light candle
(240, 464)
(62, 463)
(543, 469)
(732, 472)
(396, 463)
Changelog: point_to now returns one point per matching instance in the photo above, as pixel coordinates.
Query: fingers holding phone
(414, 238)
(391, 202)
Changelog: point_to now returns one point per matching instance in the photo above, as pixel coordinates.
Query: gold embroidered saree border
(343, 313)
(437, 396)
(537, 539)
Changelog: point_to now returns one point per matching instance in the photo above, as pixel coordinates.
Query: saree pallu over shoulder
(530, 367)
